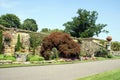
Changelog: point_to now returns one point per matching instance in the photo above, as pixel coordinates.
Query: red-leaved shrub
(63, 43)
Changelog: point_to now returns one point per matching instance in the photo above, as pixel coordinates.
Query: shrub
(63, 43)
(18, 44)
(29, 57)
(101, 52)
(115, 46)
(35, 41)
(110, 56)
(36, 58)
(41, 58)
(8, 57)
(1, 57)
(55, 53)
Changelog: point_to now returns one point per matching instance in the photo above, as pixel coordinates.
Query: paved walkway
(58, 72)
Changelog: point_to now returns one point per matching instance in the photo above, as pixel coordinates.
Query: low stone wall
(89, 46)
(5, 61)
(9, 49)
(116, 53)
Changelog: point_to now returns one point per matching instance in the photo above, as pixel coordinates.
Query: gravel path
(58, 72)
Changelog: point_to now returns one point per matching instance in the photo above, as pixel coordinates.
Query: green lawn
(109, 75)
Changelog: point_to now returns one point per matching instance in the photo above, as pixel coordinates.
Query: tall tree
(18, 44)
(10, 20)
(84, 25)
(30, 24)
(35, 41)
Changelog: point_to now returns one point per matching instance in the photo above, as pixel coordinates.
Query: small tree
(18, 45)
(35, 41)
(63, 43)
(1, 41)
(30, 24)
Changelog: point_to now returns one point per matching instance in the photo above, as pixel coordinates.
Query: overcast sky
(54, 13)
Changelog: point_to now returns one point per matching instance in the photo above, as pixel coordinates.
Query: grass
(109, 75)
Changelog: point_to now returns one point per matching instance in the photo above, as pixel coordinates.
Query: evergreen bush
(29, 57)
(1, 57)
(101, 52)
(9, 57)
(36, 58)
(18, 44)
(110, 56)
(54, 54)
(35, 41)
(115, 46)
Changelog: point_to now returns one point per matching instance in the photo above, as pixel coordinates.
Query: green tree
(10, 20)
(30, 24)
(56, 30)
(18, 44)
(84, 25)
(51, 30)
(35, 41)
(45, 30)
(1, 41)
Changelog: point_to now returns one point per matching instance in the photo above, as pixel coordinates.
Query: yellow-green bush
(115, 46)
(36, 58)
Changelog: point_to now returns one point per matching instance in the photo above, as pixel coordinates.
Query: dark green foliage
(115, 46)
(29, 57)
(10, 20)
(56, 30)
(45, 30)
(110, 56)
(84, 25)
(36, 58)
(18, 44)
(101, 53)
(35, 41)
(51, 30)
(54, 54)
(8, 57)
(63, 43)
(30, 24)
(1, 41)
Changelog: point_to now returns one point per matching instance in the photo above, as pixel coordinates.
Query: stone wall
(9, 48)
(89, 46)
(116, 53)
